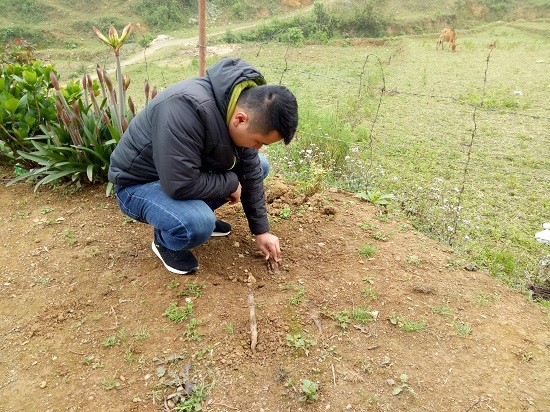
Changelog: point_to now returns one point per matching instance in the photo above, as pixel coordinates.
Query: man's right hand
(235, 197)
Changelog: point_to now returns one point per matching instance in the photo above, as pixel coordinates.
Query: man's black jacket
(181, 138)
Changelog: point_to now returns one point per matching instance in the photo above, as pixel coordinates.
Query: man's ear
(239, 117)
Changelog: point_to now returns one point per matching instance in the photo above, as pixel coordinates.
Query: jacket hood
(226, 75)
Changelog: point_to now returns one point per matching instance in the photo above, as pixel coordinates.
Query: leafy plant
(70, 238)
(141, 334)
(26, 104)
(404, 385)
(193, 402)
(376, 197)
(299, 342)
(362, 315)
(230, 328)
(110, 383)
(309, 389)
(368, 292)
(285, 213)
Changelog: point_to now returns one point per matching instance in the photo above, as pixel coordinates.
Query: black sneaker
(181, 262)
(221, 229)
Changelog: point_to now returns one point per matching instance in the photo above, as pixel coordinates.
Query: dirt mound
(85, 307)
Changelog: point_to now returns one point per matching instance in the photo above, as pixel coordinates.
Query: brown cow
(447, 35)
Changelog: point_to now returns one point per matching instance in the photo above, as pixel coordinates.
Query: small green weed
(300, 342)
(414, 260)
(485, 300)
(342, 318)
(285, 213)
(110, 383)
(195, 289)
(406, 325)
(309, 390)
(368, 292)
(404, 385)
(141, 334)
(90, 361)
(462, 329)
(208, 349)
(362, 315)
(526, 356)
(129, 355)
(298, 297)
(177, 314)
(172, 284)
(367, 226)
(191, 332)
(383, 217)
(110, 341)
(381, 236)
(70, 237)
(41, 281)
(367, 251)
(230, 328)
(194, 402)
(442, 310)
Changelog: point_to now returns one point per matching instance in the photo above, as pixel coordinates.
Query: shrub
(26, 104)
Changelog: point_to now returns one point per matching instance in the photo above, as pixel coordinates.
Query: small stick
(333, 374)
(273, 267)
(253, 324)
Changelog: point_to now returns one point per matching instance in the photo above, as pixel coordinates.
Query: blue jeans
(178, 224)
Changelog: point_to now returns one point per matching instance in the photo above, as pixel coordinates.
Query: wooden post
(202, 37)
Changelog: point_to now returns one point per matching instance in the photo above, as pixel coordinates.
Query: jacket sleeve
(178, 131)
(253, 192)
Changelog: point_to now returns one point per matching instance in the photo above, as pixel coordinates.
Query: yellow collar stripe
(235, 96)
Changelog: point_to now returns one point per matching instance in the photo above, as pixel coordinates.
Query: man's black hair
(271, 107)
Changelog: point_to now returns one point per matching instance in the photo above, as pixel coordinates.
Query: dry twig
(253, 324)
(273, 267)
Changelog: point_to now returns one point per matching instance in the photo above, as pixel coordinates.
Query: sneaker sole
(169, 268)
(220, 234)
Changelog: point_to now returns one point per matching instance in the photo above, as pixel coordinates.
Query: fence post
(202, 37)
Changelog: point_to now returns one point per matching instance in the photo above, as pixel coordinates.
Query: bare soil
(83, 325)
